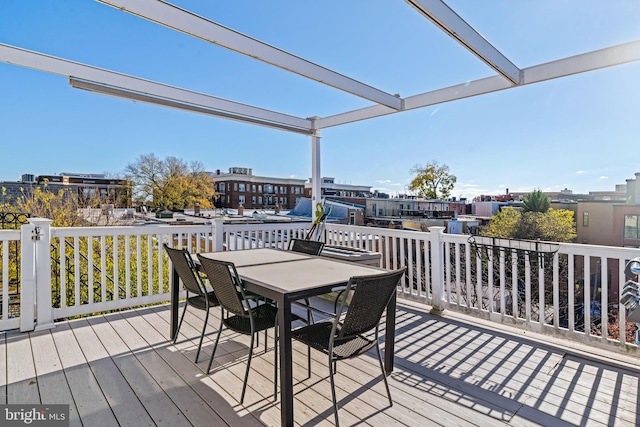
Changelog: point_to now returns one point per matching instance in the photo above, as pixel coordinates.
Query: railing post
(35, 275)
(218, 235)
(27, 277)
(437, 263)
(42, 240)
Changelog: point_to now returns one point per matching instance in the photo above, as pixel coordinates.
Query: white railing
(537, 286)
(106, 268)
(564, 289)
(251, 236)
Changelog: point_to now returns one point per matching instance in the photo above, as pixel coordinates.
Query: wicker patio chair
(349, 336)
(309, 247)
(237, 312)
(197, 294)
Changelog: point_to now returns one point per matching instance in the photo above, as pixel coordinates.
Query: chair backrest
(310, 247)
(369, 300)
(226, 284)
(186, 269)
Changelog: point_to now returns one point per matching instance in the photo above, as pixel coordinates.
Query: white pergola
(436, 12)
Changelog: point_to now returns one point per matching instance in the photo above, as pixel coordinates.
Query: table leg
(390, 335)
(286, 362)
(175, 297)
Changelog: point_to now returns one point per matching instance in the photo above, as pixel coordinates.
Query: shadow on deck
(120, 369)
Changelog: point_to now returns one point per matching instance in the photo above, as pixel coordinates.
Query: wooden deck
(120, 370)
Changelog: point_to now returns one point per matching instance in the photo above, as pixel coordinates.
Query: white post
(437, 269)
(27, 277)
(316, 185)
(218, 235)
(42, 239)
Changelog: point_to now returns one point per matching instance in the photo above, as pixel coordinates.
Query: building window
(241, 187)
(259, 188)
(235, 186)
(253, 200)
(631, 230)
(241, 200)
(259, 200)
(253, 188)
(585, 219)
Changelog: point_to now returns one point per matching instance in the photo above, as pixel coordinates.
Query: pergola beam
(125, 83)
(603, 58)
(456, 27)
(164, 102)
(189, 23)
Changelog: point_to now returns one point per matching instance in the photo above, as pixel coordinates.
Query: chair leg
(333, 391)
(215, 346)
(309, 312)
(384, 374)
(204, 328)
(246, 372)
(175, 337)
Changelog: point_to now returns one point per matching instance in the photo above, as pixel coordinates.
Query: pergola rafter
(608, 57)
(189, 23)
(118, 84)
(451, 23)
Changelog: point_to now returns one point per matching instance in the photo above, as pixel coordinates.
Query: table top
(291, 272)
(255, 256)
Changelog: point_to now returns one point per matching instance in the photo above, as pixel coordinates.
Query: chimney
(631, 191)
(637, 188)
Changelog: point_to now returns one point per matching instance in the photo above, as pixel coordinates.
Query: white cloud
(604, 177)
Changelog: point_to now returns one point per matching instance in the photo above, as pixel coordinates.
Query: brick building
(241, 187)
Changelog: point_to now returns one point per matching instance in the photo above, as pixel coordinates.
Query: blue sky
(580, 132)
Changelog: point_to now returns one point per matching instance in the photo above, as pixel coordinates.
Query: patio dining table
(284, 277)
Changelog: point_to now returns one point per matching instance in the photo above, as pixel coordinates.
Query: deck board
(89, 398)
(22, 384)
(123, 401)
(52, 381)
(121, 369)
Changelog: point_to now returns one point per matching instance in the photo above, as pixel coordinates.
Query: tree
(61, 206)
(536, 201)
(433, 181)
(170, 183)
(503, 225)
(555, 225)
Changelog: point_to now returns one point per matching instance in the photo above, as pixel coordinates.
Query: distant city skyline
(579, 132)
